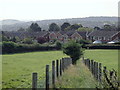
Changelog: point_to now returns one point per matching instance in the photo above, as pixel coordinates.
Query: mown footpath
(77, 76)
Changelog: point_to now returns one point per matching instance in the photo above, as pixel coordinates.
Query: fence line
(58, 67)
(106, 78)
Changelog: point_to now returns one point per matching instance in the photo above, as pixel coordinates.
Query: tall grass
(77, 76)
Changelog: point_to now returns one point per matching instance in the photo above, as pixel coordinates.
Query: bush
(83, 42)
(41, 40)
(8, 47)
(11, 47)
(28, 41)
(58, 45)
(103, 46)
(72, 49)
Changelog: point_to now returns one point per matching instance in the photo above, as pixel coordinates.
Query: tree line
(34, 27)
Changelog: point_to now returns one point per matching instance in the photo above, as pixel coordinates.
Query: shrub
(41, 40)
(72, 49)
(58, 45)
(11, 47)
(83, 42)
(28, 41)
(8, 47)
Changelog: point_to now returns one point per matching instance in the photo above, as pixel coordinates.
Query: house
(63, 36)
(52, 36)
(24, 34)
(76, 36)
(59, 36)
(104, 36)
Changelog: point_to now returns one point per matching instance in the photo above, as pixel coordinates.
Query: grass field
(108, 58)
(80, 77)
(17, 68)
(0, 72)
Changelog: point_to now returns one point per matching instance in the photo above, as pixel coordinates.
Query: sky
(56, 9)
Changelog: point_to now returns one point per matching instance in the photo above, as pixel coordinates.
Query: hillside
(13, 25)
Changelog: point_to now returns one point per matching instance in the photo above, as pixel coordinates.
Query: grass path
(76, 77)
(80, 77)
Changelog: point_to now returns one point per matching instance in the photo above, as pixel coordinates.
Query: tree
(73, 49)
(21, 29)
(96, 28)
(73, 27)
(41, 40)
(54, 27)
(8, 47)
(4, 38)
(65, 25)
(34, 27)
(28, 41)
(13, 39)
(84, 29)
(58, 45)
(76, 26)
(107, 27)
(83, 42)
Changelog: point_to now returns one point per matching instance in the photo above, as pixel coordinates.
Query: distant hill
(10, 22)
(13, 25)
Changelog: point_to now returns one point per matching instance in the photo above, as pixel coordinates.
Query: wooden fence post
(60, 67)
(100, 72)
(57, 68)
(86, 62)
(94, 68)
(91, 66)
(47, 77)
(53, 73)
(70, 60)
(97, 70)
(63, 66)
(83, 59)
(67, 62)
(34, 81)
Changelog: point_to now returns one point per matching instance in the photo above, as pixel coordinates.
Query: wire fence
(52, 72)
(106, 78)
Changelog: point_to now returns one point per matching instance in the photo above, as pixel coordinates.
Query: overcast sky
(56, 9)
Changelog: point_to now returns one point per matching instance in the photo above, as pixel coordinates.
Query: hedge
(11, 47)
(102, 46)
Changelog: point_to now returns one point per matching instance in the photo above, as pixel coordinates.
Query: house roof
(25, 34)
(99, 33)
(82, 33)
(69, 33)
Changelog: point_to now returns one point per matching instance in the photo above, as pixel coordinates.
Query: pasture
(17, 69)
(108, 58)
(80, 77)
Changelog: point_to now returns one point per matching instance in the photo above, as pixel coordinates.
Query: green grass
(0, 72)
(80, 77)
(18, 68)
(108, 58)
(77, 76)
